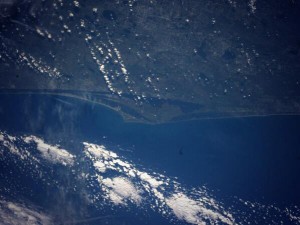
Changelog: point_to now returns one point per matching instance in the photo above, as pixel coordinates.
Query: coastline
(109, 101)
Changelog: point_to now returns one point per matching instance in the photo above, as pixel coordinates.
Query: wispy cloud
(13, 213)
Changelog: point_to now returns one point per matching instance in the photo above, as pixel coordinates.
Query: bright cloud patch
(152, 181)
(12, 213)
(112, 180)
(52, 153)
(121, 189)
(127, 177)
(8, 142)
(23, 148)
(193, 211)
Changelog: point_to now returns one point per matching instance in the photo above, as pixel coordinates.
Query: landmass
(156, 61)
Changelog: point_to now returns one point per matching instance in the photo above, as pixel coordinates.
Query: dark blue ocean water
(254, 158)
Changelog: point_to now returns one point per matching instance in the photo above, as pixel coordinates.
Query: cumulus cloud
(8, 142)
(194, 212)
(99, 151)
(123, 187)
(124, 183)
(147, 178)
(51, 153)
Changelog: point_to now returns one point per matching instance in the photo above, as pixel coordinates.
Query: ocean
(256, 159)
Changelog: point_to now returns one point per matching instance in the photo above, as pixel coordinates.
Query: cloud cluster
(23, 148)
(161, 193)
(54, 154)
(191, 211)
(123, 184)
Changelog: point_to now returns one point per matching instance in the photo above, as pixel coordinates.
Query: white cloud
(101, 167)
(12, 213)
(252, 5)
(121, 163)
(124, 182)
(194, 212)
(8, 142)
(99, 151)
(121, 189)
(152, 181)
(52, 153)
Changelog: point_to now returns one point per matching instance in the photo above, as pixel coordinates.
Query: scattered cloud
(193, 211)
(174, 202)
(8, 142)
(120, 182)
(52, 153)
(12, 213)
